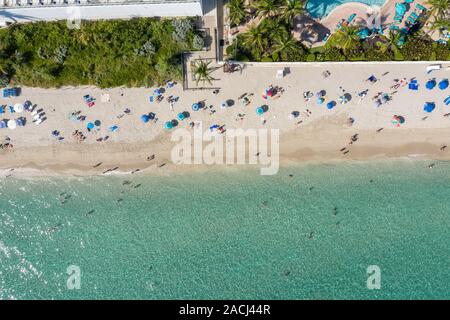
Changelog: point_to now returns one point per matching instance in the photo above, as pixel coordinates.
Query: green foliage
(237, 13)
(138, 52)
(182, 28)
(197, 42)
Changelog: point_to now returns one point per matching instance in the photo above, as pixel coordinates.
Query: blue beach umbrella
(168, 125)
(260, 111)
(90, 126)
(196, 106)
(181, 116)
(443, 84)
(429, 107)
(430, 84)
(145, 118)
(331, 104)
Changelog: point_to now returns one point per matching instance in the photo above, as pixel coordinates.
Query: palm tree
(284, 43)
(390, 44)
(268, 8)
(345, 38)
(256, 39)
(439, 8)
(202, 71)
(291, 9)
(440, 24)
(237, 12)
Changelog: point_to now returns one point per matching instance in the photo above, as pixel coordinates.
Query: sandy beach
(317, 136)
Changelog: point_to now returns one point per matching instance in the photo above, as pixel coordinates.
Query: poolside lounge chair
(394, 27)
(420, 7)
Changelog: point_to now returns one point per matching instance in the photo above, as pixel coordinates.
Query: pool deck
(387, 13)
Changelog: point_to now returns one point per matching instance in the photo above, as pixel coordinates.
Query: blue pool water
(320, 8)
(231, 235)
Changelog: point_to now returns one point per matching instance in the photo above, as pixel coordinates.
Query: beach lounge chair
(433, 67)
(447, 101)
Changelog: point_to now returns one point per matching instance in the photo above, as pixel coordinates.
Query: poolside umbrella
(18, 107)
(331, 104)
(181, 116)
(400, 8)
(90, 126)
(429, 107)
(168, 125)
(430, 84)
(12, 124)
(145, 118)
(97, 123)
(443, 84)
(196, 106)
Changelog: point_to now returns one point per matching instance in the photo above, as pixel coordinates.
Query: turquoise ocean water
(320, 8)
(231, 234)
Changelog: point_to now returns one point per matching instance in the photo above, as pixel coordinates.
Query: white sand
(318, 138)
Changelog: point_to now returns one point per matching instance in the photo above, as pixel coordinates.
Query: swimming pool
(320, 8)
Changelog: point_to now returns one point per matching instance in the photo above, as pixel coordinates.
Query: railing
(17, 4)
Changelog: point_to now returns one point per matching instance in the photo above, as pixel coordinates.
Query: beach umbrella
(97, 123)
(343, 99)
(90, 126)
(114, 128)
(384, 98)
(429, 107)
(224, 104)
(443, 84)
(3, 124)
(181, 116)
(18, 107)
(430, 84)
(27, 105)
(320, 100)
(21, 122)
(214, 126)
(196, 106)
(331, 104)
(151, 116)
(145, 118)
(168, 125)
(377, 103)
(260, 111)
(12, 124)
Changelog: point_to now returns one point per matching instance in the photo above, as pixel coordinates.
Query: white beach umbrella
(12, 124)
(18, 107)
